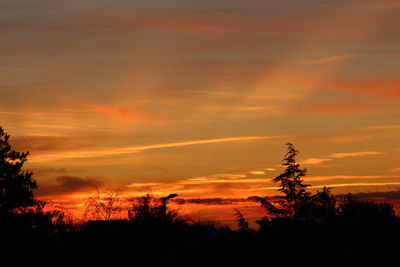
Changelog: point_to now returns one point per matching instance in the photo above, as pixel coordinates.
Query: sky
(199, 98)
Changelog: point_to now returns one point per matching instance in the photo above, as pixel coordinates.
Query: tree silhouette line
(300, 227)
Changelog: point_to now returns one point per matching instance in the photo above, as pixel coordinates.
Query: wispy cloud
(137, 149)
(329, 158)
(339, 108)
(341, 177)
(315, 161)
(228, 176)
(355, 154)
(66, 184)
(384, 127)
(116, 112)
(383, 88)
(325, 60)
(354, 184)
(256, 172)
(123, 19)
(120, 113)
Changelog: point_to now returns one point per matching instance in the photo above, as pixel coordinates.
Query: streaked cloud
(120, 113)
(62, 185)
(355, 154)
(137, 149)
(341, 177)
(385, 127)
(315, 161)
(116, 112)
(355, 184)
(339, 108)
(217, 177)
(43, 144)
(329, 158)
(325, 60)
(256, 172)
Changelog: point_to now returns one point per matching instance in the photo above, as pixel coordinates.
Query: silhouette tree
(16, 185)
(291, 185)
(103, 206)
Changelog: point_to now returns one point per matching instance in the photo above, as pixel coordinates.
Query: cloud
(41, 144)
(384, 127)
(44, 171)
(338, 108)
(228, 176)
(211, 185)
(338, 138)
(391, 4)
(120, 113)
(137, 149)
(325, 60)
(318, 161)
(315, 161)
(70, 184)
(210, 201)
(336, 177)
(189, 24)
(355, 184)
(135, 185)
(222, 181)
(384, 88)
(395, 169)
(354, 154)
(346, 138)
(395, 194)
(256, 172)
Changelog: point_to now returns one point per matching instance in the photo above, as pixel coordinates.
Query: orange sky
(199, 97)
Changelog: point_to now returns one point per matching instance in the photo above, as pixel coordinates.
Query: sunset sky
(199, 98)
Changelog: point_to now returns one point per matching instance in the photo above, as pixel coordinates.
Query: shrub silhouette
(148, 208)
(321, 207)
(104, 205)
(357, 212)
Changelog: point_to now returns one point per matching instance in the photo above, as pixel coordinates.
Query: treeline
(300, 228)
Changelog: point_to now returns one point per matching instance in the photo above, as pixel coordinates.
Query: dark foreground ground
(30, 240)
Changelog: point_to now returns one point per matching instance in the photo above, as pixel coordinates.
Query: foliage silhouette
(243, 224)
(148, 208)
(357, 212)
(16, 185)
(321, 207)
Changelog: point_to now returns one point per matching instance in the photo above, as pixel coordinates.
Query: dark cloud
(395, 194)
(209, 201)
(38, 144)
(70, 184)
(43, 172)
